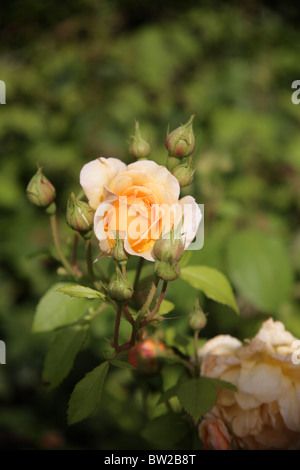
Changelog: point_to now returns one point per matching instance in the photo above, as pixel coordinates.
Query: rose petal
(246, 400)
(100, 213)
(191, 219)
(264, 381)
(221, 344)
(274, 333)
(147, 171)
(97, 174)
(289, 405)
(145, 254)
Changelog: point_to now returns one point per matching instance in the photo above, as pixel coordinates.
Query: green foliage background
(77, 74)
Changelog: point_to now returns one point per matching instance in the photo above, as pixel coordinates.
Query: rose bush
(133, 210)
(139, 202)
(264, 412)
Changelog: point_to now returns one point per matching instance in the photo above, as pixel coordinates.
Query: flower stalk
(157, 306)
(89, 261)
(63, 259)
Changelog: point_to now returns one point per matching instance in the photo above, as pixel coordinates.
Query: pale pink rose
(139, 202)
(264, 412)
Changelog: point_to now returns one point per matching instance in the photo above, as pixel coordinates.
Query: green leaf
(197, 396)
(170, 393)
(122, 364)
(260, 268)
(165, 307)
(81, 291)
(164, 430)
(60, 357)
(212, 282)
(56, 309)
(87, 394)
(221, 383)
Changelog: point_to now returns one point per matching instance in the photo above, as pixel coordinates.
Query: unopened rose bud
(118, 252)
(181, 142)
(167, 271)
(184, 174)
(139, 147)
(120, 289)
(40, 191)
(197, 319)
(168, 249)
(144, 355)
(79, 215)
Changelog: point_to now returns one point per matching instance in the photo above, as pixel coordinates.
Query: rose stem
(121, 348)
(117, 328)
(75, 245)
(124, 271)
(156, 308)
(89, 262)
(196, 343)
(62, 257)
(128, 315)
(74, 256)
(138, 273)
(143, 312)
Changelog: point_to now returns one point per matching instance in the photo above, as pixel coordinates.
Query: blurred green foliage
(77, 74)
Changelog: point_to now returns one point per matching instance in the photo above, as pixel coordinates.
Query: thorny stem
(120, 349)
(62, 257)
(196, 342)
(74, 255)
(143, 312)
(189, 366)
(128, 315)
(117, 328)
(156, 308)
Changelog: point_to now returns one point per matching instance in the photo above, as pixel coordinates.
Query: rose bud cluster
(40, 191)
(167, 253)
(139, 147)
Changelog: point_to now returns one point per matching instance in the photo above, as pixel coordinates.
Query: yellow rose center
(136, 214)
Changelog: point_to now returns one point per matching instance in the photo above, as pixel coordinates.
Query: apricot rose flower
(139, 203)
(264, 412)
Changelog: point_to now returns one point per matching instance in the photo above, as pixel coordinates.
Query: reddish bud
(181, 142)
